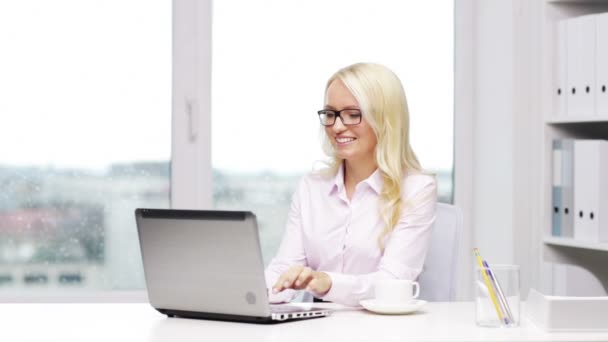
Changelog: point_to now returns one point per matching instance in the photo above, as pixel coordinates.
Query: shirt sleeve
(291, 251)
(404, 252)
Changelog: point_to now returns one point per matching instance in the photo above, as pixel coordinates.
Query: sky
(88, 83)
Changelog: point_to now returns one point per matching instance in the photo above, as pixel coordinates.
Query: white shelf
(585, 2)
(587, 255)
(570, 242)
(569, 120)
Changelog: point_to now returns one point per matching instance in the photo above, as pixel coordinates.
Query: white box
(562, 313)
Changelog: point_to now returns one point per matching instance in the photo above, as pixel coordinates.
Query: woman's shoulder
(415, 182)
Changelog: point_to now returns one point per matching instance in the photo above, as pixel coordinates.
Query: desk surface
(140, 322)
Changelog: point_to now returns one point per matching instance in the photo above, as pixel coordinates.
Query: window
(85, 136)
(271, 60)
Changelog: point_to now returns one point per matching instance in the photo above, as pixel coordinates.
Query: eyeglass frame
(338, 114)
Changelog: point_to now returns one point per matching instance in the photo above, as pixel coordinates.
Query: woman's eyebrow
(347, 107)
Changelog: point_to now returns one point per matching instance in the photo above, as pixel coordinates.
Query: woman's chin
(345, 156)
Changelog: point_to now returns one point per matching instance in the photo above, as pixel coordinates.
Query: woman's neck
(357, 171)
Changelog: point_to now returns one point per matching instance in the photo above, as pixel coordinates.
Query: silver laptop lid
(203, 261)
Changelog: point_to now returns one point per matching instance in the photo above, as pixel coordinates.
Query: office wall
(493, 132)
(504, 142)
(527, 142)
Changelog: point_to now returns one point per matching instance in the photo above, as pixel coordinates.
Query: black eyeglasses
(349, 117)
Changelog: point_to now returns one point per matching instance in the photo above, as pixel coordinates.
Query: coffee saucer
(392, 308)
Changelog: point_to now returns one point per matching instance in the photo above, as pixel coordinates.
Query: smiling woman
(374, 190)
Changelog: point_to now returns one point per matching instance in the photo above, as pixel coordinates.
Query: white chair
(439, 273)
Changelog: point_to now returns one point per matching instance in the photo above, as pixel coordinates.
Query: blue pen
(501, 297)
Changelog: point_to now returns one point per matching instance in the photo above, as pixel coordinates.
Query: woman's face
(355, 142)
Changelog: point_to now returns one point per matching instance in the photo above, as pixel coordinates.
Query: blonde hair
(384, 106)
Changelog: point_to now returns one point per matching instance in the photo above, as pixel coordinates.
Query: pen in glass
(500, 294)
(489, 285)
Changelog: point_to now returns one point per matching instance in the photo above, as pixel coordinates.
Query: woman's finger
(286, 280)
(303, 278)
(320, 283)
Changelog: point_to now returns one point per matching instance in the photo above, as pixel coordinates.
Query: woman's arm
(291, 251)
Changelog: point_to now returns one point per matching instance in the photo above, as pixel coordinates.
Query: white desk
(140, 322)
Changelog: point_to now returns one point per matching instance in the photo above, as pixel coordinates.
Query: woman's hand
(303, 278)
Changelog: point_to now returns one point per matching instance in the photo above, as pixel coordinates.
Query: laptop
(208, 264)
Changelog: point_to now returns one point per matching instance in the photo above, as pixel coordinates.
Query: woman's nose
(338, 125)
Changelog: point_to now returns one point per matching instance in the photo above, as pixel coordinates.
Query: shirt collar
(375, 181)
(338, 183)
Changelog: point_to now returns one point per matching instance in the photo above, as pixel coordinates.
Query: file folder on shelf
(560, 94)
(567, 188)
(601, 65)
(562, 192)
(580, 61)
(556, 189)
(591, 190)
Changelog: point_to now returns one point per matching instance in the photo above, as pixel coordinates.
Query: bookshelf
(590, 256)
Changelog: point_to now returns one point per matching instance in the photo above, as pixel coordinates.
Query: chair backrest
(439, 273)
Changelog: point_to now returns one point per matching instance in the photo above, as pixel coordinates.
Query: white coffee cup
(396, 290)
